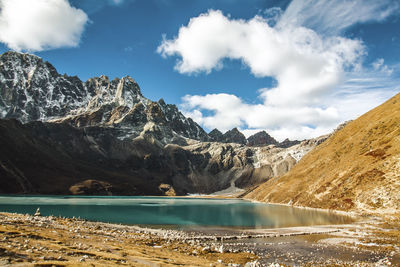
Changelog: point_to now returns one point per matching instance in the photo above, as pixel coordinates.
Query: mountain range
(64, 136)
(60, 135)
(33, 90)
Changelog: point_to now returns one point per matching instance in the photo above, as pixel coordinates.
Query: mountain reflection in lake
(180, 212)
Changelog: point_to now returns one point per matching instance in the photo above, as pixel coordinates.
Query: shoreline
(339, 212)
(81, 242)
(363, 242)
(356, 215)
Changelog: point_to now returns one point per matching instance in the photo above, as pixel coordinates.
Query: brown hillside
(357, 169)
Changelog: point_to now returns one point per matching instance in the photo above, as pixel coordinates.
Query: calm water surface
(179, 212)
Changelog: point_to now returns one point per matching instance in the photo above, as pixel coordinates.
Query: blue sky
(293, 68)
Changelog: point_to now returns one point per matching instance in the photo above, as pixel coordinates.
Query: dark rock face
(234, 136)
(231, 136)
(180, 124)
(288, 143)
(31, 89)
(50, 158)
(57, 158)
(216, 135)
(261, 139)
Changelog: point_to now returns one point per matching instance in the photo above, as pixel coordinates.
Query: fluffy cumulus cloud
(40, 24)
(304, 64)
(309, 66)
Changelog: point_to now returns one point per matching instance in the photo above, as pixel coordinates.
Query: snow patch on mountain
(32, 89)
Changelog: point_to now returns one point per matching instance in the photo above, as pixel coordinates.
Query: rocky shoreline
(28, 240)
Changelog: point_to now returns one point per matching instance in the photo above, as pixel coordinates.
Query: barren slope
(357, 169)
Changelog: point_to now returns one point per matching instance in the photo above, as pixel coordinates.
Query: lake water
(175, 212)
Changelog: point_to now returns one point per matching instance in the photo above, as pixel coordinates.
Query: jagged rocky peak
(234, 136)
(122, 92)
(288, 143)
(113, 103)
(231, 136)
(216, 135)
(12, 60)
(155, 114)
(261, 139)
(120, 104)
(180, 124)
(31, 89)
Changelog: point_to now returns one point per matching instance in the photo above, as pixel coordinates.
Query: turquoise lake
(169, 211)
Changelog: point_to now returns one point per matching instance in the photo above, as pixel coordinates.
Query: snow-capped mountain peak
(32, 89)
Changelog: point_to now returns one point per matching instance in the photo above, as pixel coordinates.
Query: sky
(294, 68)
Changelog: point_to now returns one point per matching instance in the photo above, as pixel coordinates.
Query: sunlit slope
(358, 168)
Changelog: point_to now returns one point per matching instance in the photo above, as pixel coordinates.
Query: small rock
(206, 249)
(37, 213)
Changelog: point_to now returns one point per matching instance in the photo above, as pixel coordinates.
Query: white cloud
(379, 65)
(316, 72)
(332, 17)
(272, 15)
(304, 64)
(40, 24)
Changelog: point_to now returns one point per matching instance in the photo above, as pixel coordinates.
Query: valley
(203, 133)
(64, 137)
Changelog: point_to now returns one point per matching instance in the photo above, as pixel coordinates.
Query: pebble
(201, 242)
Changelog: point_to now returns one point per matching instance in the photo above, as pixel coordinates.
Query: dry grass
(357, 169)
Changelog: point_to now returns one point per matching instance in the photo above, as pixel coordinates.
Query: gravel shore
(27, 240)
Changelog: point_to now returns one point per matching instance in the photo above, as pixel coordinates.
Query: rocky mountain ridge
(23, 77)
(33, 90)
(104, 137)
(261, 138)
(231, 136)
(57, 158)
